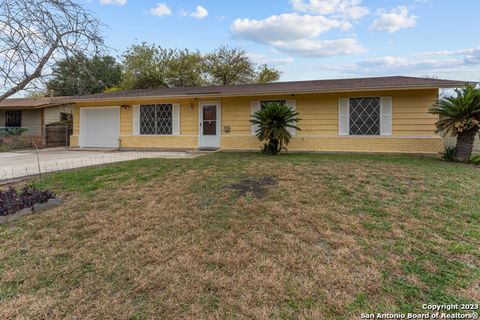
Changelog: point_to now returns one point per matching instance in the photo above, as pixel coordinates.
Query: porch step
(207, 150)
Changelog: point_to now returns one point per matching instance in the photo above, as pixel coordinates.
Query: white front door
(100, 127)
(209, 124)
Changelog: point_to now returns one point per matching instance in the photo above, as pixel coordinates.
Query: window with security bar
(156, 119)
(365, 116)
(13, 119)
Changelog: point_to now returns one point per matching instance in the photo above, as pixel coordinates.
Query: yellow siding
(126, 122)
(188, 138)
(166, 142)
(74, 141)
(348, 144)
(412, 125)
(319, 112)
(76, 121)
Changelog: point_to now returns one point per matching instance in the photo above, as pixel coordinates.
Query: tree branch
(29, 28)
(36, 74)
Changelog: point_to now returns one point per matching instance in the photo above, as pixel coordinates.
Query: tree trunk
(464, 146)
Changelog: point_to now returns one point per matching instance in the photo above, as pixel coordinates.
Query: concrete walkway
(14, 165)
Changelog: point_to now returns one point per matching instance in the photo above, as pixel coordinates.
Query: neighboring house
(384, 114)
(33, 114)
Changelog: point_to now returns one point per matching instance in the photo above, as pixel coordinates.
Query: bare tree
(34, 34)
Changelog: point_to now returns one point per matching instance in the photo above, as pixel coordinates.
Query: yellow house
(383, 114)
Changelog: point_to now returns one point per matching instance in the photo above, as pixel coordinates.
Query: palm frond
(273, 122)
(459, 112)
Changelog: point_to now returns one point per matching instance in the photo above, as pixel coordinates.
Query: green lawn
(325, 237)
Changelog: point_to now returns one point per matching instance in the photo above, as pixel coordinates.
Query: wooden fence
(56, 136)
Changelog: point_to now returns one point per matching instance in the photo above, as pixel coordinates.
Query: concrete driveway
(14, 165)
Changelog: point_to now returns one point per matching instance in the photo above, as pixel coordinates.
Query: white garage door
(100, 127)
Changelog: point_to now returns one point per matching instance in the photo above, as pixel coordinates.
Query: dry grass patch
(333, 237)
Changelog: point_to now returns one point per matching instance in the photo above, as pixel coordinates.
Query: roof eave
(33, 107)
(266, 93)
(19, 107)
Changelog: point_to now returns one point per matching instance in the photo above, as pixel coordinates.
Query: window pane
(147, 119)
(156, 119)
(365, 116)
(13, 119)
(164, 118)
(209, 120)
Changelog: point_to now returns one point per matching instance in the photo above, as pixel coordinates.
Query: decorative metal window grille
(156, 119)
(264, 103)
(13, 119)
(365, 116)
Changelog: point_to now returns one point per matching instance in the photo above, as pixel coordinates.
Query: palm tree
(273, 122)
(460, 117)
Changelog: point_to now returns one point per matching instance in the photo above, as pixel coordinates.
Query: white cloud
(117, 2)
(471, 52)
(425, 62)
(349, 9)
(284, 27)
(200, 13)
(260, 58)
(161, 10)
(321, 48)
(401, 64)
(393, 20)
(297, 34)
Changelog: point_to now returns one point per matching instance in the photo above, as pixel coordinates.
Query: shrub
(12, 132)
(450, 154)
(12, 201)
(14, 142)
(273, 122)
(475, 159)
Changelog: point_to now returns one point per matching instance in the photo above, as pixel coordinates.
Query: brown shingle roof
(377, 83)
(20, 103)
(293, 87)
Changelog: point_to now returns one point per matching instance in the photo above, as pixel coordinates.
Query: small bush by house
(12, 201)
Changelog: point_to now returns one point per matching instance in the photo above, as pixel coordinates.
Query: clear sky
(310, 39)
